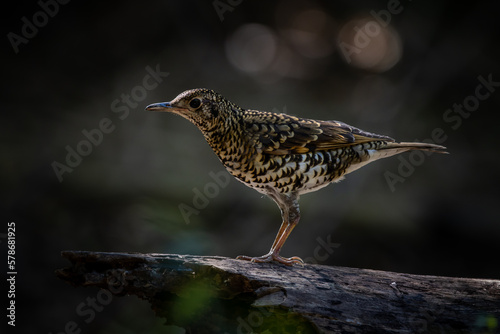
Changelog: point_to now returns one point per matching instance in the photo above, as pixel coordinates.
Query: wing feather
(284, 134)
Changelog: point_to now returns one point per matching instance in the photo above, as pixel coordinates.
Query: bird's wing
(284, 134)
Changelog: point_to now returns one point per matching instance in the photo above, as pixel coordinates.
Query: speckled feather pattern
(286, 153)
(280, 155)
(266, 150)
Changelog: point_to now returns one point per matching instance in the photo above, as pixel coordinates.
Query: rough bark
(208, 294)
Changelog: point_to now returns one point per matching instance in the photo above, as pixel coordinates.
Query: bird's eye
(195, 103)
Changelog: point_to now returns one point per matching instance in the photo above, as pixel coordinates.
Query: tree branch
(209, 294)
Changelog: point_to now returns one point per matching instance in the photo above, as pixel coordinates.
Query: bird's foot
(270, 257)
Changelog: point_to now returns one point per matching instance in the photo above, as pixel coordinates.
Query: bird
(280, 155)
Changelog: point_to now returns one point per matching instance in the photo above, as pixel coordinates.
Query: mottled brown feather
(281, 134)
(280, 155)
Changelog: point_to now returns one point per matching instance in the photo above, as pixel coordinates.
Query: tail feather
(407, 146)
(393, 148)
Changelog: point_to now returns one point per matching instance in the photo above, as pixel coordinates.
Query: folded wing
(283, 134)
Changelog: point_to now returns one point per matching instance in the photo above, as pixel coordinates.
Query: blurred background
(77, 76)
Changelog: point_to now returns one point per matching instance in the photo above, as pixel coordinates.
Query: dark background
(278, 56)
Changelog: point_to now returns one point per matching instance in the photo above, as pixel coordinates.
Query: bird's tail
(393, 148)
(408, 146)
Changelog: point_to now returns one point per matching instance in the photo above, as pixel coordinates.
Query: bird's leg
(280, 233)
(289, 206)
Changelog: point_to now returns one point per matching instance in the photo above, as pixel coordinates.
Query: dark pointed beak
(161, 106)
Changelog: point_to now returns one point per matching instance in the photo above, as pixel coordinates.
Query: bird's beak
(161, 106)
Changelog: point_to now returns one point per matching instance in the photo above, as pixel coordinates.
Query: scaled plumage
(280, 155)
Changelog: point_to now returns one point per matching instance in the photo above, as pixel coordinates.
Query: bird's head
(205, 108)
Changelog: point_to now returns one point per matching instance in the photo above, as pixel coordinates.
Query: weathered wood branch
(207, 294)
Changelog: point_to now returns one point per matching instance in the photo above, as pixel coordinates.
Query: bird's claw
(273, 257)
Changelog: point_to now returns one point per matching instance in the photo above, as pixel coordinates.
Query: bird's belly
(299, 173)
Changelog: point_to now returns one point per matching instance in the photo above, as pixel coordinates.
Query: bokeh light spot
(365, 44)
(251, 48)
